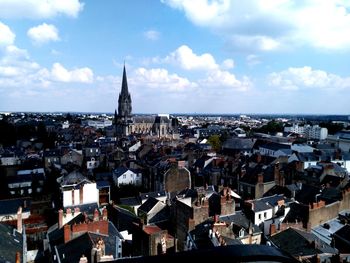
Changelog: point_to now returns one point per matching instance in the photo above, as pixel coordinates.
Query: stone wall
(319, 213)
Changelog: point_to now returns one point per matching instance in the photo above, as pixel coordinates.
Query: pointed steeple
(124, 91)
(124, 101)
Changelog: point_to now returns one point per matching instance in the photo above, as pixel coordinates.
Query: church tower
(123, 119)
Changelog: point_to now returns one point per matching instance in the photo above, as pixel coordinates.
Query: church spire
(124, 101)
(124, 91)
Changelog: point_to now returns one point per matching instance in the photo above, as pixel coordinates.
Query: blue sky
(181, 56)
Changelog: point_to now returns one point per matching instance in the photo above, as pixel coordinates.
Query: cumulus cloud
(60, 73)
(7, 37)
(152, 35)
(306, 77)
(43, 33)
(187, 59)
(38, 9)
(216, 76)
(162, 79)
(221, 78)
(270, 25)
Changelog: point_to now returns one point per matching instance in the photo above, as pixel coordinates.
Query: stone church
(161, 125)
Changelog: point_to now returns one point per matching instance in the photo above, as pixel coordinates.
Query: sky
(181, 56)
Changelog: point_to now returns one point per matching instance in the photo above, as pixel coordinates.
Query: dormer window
(241, 232)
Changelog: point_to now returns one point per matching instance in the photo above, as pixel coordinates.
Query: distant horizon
(177, 113)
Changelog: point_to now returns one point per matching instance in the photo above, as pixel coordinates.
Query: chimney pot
(19, 220)
(96, 215)
(60, 218)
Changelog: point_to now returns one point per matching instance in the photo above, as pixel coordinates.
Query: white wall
(90, 194)
(130, 178)
(268, 212)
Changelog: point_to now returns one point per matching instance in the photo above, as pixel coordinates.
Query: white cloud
(306, 77)
(161, 79)
(43, 33)
(187, 59)
(201, 12)
(252, 60)
(7, 37)
(61, 74)
(219, 79)
(39, 9)
(228, 64)
(152, 35)
(272, 24)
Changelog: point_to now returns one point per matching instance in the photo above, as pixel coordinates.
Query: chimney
(19, 220)
(81, 195)
(272, 229)
(104, 214)
(18, 257)
(69, 212)
(181, 164)
(67, 233)
(83, 259)
(60, 218)
(96, 215)
(216, 218)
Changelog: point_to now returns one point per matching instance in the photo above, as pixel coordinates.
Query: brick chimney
(67, 233)
(60, 218)
(272, 229)
(104, 214)
(96, 215)
(81, 195)
(18, 257)
(19, 220)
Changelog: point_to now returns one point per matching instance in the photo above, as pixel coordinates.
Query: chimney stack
(96, 215)
(18, 257)
(104, 214)
(60, 218)
(272, 229)
(19, 220)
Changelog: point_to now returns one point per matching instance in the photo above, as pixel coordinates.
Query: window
(259, 216)
(124, 176)
(265, 214)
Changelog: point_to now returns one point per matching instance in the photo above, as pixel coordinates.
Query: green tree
(215, 142)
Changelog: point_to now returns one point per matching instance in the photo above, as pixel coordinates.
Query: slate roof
(266, 203)
(102, 184)
(83, 244)
(237, 218)
(161, 216)
(10, 242)
(73, 178)
(239, 144)
(120, 171)
(152, 194)
(274, 146)
(122, 218)
(297, 242)
(148, 205)
(130, 201)
(344, 233)
(10, 206)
